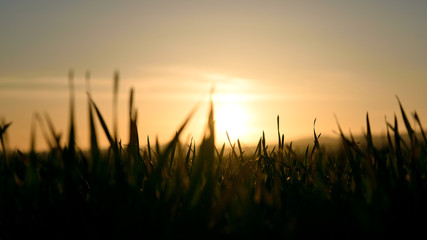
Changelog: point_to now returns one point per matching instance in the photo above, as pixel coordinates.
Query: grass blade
(103, 124)
(278, 132)
(149, 148)
(240, 150)
(421, 127)
(71, 139)
(316, 146)
(398, 147)
(405, 120)
(56, 136)
(172, 156)
(33, 136)
(390, 142)
(133, 129)
(163, 157)
(187, 156)
(115, 100)
(220, 159)
(94, 147)
(264, 148)
(231, 145)
(369, 134)
(283, 141)
(43, 129)
(258, 148)
(3, 128)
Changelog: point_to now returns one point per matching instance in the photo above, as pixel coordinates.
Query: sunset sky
(298, 59)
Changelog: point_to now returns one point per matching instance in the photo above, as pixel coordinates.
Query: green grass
(206, 191)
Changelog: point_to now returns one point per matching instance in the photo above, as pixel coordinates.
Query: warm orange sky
(298, 59)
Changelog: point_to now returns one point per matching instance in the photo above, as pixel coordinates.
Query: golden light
(230, 116)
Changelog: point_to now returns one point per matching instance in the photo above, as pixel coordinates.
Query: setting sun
(202, 119)
(231, 118)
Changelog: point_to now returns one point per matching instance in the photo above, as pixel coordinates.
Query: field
(205, 191)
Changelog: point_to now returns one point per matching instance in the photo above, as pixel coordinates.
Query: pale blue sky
(299, 59)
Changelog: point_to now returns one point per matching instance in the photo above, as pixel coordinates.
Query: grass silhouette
(184, 190)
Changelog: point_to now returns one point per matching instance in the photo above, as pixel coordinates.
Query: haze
(298, 59)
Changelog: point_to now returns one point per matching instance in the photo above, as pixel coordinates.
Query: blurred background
(298, 59)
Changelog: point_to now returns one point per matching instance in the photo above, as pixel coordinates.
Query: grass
(205, 191)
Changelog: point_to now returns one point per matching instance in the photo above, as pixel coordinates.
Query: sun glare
(232, 118)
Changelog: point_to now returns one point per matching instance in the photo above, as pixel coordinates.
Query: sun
(230, 118)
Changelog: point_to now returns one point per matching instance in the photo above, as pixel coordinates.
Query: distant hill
(334, 142)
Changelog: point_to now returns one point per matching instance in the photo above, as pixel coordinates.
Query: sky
(301, 60)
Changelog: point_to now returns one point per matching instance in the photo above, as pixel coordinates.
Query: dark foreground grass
(204, 191)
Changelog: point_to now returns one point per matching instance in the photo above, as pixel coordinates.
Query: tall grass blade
(220, 159)
(193, 157)
(158, 151)
(398, 148)
(70, 159)
(133, 129)
(368, 132)
(94, 147)
(258, 148)
(212, 121)
(71, 139)
(43, 129)
(149, 148)
(306, 162)
(348, 144)
(316, 137)
(371, 148)
(115, 101)
(33, 135)
(405, 120)
(202, 179)
(390, 142)
(421, 127)
(278, 133)
(231, 145)
(264, 148)
(221, 153)
(103, 124)
(172, 155)
(187, 156)
(56, 136)
(3, 128)
(240, 150)
(316, 146)
(283, 141)
(163, 157)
